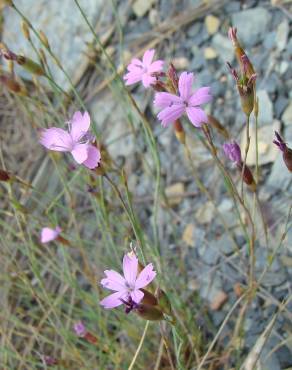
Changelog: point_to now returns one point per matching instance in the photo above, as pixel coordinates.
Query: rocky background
(193, 34)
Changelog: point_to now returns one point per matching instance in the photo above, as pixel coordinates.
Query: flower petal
(148, 80)
(164, 99)
(148, 57)
(48, 234)
(93, 157)
(137, 295)
(113, 300)
(80, 124)
(56, 139)
(114, 281)
(201, 96)
(170, 114)
(185, 83)
(80, 152)
(145, 277)
(130, 268)
(133, 77)
(156, 66)
(197, 116)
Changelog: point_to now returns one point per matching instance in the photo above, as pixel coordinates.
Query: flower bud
(149, 298)
(30, 65)
(163, 302)
(232, 151)
(13, 86)
(218, 126)
(4, 3)
(287, 152)
(248, 177)
(4, 175)
(25, 29)
(148, 312)
(44, 39)
(179, 132)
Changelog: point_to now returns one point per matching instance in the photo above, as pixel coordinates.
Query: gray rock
(66, 30)
(280, 178)
(210, 284)
(280, 104)
(252, 25)
(223, 47)
(209, 255)
(269, 363)
(265, 108)
(270, 40)
(287, 115)
(282, 35)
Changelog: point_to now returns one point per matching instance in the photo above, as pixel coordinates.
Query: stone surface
(252, 25)
(59, 21)
(210, 53)
(212, 24)
(141, 7)
(188, 235)
(174, 193)
(223, 47)
(267, 151)
(265, 108)
(218, 301)
(287, 115)
(205, 213)
(279, 178)
(282, 35)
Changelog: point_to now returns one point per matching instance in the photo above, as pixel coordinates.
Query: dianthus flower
(77, 140)
(233, 152)
(48, 234)
(144, 70)
(188, 101)
(127, 288)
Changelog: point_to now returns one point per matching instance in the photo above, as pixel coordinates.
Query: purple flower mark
(280, 142)
(188, 101)
(48, 234)
(144, 70)
(77, 140)
(128, 287)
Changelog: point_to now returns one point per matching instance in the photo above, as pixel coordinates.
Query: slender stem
(245, 153)
(163, 336)
(139, 346)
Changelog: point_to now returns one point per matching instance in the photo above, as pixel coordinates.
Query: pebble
(141, 7)
(252, 25)
(280, 104)
(205, 213)
(210, 53)
(287, 115)
(180, 63)
(188, 235)
(223, 47)
(265, 108)
(174, 193)
(267, 151)
(219, 300)
(212, 24)
(282, 35)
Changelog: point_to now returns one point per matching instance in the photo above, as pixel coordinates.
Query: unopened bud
(148, 312)
(248, 177)
(179, 131)
(247, 98)
(4, 3)
(4, 175)
(287, 152)
(149, 298)
(44, 39)
(218, 126)
(30, 65)
(13, 86)
(63, 241)
(163, 302)
(25, 29)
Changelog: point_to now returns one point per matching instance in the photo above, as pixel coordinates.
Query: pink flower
(48, 234)
(128, 287)
(188, 101)
(80, 329)
(143, 70)
(76, 141)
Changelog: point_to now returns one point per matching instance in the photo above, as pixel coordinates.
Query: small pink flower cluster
(172, 105)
